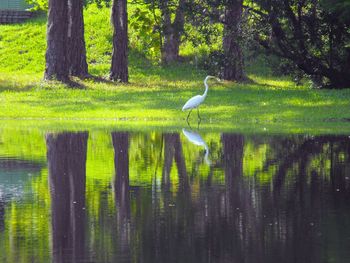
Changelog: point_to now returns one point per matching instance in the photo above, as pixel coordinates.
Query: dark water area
(185, 196)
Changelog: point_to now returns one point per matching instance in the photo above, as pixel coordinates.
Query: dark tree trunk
(172, 31)
(119, 67)
(122, 190)
(66, 156)
(76, 42)
(233, 56)
(56, 52)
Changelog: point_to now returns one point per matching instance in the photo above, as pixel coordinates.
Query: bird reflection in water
(196, 139)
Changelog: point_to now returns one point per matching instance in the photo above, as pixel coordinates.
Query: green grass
(155, 95)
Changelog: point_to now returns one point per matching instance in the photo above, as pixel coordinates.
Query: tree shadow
(68, 83)
(99, 79)
(74, 84)
(5, 86)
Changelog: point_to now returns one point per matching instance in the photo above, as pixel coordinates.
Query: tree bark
(76, 42)
(233, 61)
(56, 52)
(119, 67)
(172, 31)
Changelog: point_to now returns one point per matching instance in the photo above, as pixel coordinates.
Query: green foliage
(99, 3)
(203, 30)
(39, 4)
(313, 35)
(143, 35)
(44, 4)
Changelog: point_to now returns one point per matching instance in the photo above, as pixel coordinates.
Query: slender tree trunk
(119, 67)
(56, 52)
(76, 42)
(172, 31)
(233, 64)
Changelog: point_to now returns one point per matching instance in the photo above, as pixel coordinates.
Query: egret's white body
(197, 100)
(194, 102)
(196, 139)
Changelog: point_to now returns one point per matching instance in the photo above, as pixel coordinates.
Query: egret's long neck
(206, 88)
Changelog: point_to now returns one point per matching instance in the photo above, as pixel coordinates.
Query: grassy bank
(155, 95)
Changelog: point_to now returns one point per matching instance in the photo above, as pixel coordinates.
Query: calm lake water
(185, 196)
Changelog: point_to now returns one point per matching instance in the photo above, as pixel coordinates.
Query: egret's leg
(188, 115)
(199, 117)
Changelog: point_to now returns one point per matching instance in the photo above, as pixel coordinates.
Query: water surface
(184, 196)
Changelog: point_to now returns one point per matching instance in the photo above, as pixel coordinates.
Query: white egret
(197, 100)
(196, 139)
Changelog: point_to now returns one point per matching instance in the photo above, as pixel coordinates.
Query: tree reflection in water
(66, 156)
(2, 215)
(122, 193)
(247, 221)
(300, 213)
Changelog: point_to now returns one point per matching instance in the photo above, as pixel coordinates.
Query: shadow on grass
(74, 84)
(9, 86)
(99, 79)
